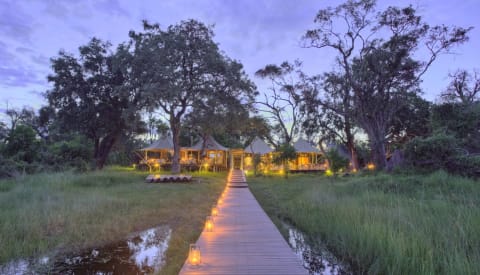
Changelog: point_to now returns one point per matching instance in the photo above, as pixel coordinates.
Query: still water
(141, 253)
(317, 260)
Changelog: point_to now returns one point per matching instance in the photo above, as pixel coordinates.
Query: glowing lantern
(371, 166)
(220, 201)
(194, 256)
(328, 173)
(209, 224)
(215, 211)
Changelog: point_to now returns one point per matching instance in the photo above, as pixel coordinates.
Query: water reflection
(318, 260)
(142, 253)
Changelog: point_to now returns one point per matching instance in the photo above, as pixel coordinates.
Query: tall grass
(48, 214)
(384, 224)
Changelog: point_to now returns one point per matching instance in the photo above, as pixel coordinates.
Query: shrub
(468, 166)
(336, 161)
(431, 153)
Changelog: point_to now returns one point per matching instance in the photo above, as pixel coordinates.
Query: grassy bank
(384, 224)
(62, 212)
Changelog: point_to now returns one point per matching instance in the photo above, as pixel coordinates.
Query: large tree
(281, 103)
(179, 68)
(92, 95)
(328, 108)
(377, 52)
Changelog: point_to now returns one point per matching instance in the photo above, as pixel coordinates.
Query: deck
(244, 240)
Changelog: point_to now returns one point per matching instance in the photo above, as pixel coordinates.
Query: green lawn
(57, 212)
(384, 224)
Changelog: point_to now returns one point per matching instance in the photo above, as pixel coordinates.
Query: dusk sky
(255, 32)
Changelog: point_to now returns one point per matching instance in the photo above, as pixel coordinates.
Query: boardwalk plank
(244, 241)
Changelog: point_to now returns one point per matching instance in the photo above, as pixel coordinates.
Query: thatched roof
(302, 146)
(164, 143)
(258, 146)
(210, 144)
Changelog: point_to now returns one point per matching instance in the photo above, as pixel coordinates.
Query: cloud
(112, 7)
(18, 77)
(15, 23)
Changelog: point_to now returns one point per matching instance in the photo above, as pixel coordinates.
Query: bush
(468, 166)
(431, 153)
(336, 161)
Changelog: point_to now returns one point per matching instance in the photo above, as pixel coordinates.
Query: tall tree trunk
(175, 126)
(376, 135)
(351, 144)
(102, 150)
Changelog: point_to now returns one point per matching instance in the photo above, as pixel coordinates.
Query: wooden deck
(244, 240)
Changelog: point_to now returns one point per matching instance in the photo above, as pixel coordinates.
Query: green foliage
(285, 153)
(433, 152)
(51, 214)
(460, 120)
(93, 95)
(468, 166)
(383, 224)
(22, 144)
(336, 161)
(76, 152)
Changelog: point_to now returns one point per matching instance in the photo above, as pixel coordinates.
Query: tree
(285, 153)
(22, 144)
(464, 87)
(181, 67)
(328, 108)
(411, 120)
(282, 102)
(92, 95)
(375, 51)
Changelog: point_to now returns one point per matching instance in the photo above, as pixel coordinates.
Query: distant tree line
(106, 102)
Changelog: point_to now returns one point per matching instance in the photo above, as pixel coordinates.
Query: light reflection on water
(142, 253)
(317, 261)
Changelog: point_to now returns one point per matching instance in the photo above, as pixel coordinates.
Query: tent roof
(210, 144)
(164, 143)
(302, 146)
(258, 146)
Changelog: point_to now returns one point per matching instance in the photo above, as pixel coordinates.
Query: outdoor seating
(168, 178)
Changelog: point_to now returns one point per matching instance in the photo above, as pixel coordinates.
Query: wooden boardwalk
(244, 240)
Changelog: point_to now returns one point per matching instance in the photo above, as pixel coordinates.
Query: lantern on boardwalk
(209, 224)
(215, 211)
(194, 256)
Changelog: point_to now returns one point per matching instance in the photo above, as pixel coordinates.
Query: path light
(371, 166)
(209, 224)
(220, 201)
(215, 211)
(194, 256)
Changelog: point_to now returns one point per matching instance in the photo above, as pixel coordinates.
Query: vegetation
(182, 70)
(383, 224)
(57, 213)
(376, 56)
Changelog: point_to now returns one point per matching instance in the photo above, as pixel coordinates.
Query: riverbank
(51, 214)
(383, 224)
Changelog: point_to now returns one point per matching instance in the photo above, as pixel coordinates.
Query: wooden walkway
(244, 240)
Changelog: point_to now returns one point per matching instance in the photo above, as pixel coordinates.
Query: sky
(255, 32)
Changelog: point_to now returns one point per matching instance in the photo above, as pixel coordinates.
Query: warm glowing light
(220, 201)
(215, 211)
(209, 224)
(134, 166)
(328, 173)
(354, 170)
(157, 164)
(371, 166)
(194, 256)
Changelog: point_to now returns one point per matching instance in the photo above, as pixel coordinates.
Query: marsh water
(317, 260)
(141, 253)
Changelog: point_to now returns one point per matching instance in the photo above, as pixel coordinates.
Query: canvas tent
(307, 157)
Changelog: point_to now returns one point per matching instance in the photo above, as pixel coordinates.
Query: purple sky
(256, 32)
